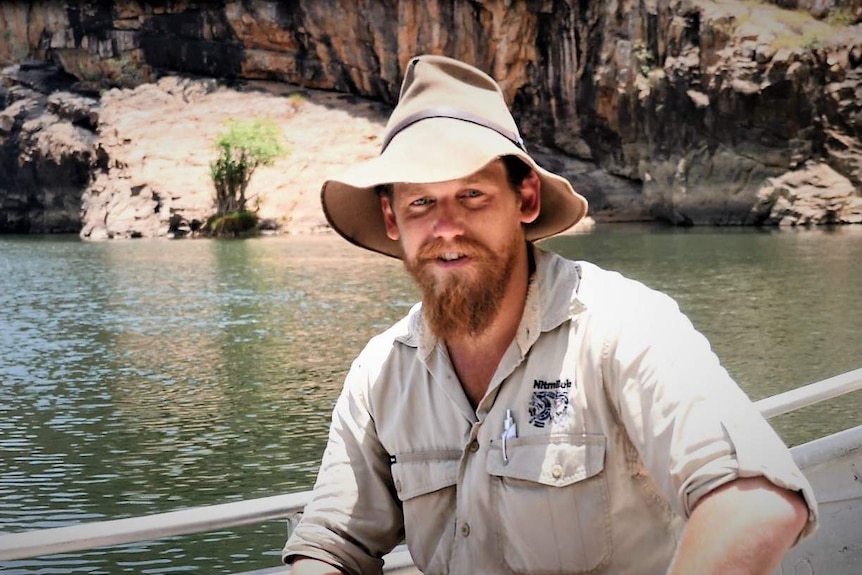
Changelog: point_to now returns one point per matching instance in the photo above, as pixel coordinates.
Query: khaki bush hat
(451, 120)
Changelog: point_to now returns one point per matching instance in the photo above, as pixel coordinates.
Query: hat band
(454, 114)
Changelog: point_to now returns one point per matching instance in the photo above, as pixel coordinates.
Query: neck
(475, 356)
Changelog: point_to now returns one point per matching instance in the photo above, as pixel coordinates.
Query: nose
(449, 221)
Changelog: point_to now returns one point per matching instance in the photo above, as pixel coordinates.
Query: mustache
(434, 249)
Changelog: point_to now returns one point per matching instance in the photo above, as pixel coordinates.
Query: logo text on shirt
(558, 384)
(550, 402)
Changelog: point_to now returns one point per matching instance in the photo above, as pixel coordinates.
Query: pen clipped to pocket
(510, 431)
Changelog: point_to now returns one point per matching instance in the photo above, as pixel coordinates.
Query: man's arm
(354, 516)
(742, 528)
(306, 566)
(710, 451)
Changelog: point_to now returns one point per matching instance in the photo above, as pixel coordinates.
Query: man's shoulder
(401, 332)
(590, 280)
(601, 289)
(379, 351)
(556, 267)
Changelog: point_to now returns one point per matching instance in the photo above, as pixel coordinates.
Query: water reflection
(146, 376)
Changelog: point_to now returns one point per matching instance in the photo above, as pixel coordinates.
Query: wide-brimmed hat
(451, 121)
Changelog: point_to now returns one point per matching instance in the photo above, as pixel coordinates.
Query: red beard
(466, 301)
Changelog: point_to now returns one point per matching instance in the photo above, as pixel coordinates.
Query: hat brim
(449, 149)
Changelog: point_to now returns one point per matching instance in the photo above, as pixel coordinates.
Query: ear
(389, 218)
(531, 203)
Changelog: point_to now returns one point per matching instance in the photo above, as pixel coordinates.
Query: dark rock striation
(689, 111)
(46, 142)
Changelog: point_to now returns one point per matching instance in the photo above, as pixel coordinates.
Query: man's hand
(742, 528)
(306, 566)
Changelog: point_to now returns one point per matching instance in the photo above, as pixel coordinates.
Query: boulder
(812, 195)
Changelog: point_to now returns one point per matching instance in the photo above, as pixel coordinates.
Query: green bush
(234, 224)
(244, 147)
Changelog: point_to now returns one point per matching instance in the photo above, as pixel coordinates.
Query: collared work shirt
(623, 419)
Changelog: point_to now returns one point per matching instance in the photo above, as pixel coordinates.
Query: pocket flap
(555, 460)
(419, 474)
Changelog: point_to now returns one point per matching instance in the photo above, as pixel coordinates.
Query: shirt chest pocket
(425, 484)
(552, 500)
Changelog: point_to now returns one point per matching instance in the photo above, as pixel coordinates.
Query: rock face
(142, 154)
(815, 194)
(46, 153)
(680, 110)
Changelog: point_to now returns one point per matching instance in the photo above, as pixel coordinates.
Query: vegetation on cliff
(242, 148)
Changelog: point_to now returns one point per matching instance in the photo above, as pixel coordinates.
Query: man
(534, 415)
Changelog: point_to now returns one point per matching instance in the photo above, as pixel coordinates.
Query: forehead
(493, 173)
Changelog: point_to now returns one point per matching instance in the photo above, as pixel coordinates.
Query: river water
(145, 376)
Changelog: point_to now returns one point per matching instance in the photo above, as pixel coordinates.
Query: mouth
(450, 254)
(449, 260)
(449, 257)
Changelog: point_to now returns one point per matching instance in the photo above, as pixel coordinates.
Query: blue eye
(419, 202)
(472, 194)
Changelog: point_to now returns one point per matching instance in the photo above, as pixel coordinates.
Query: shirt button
(474, 446)
(557, 471)
(398, 485)
(465, 529)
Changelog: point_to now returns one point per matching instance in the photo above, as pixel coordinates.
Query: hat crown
(432, 82)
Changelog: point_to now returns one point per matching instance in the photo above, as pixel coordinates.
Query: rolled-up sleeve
(693, 427)
(354, 517)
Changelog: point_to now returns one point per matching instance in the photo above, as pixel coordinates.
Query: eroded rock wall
(46, 144)
(680, 110)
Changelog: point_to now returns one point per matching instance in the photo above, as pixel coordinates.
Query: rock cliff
(690, 111)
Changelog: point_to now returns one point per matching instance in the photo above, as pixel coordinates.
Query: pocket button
(556, 471)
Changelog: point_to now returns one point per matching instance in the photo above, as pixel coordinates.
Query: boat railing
(227, 515)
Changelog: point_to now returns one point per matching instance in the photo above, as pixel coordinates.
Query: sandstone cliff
(692, 111)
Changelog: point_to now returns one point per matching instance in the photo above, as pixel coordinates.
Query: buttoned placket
(472, 470)
(439, 365)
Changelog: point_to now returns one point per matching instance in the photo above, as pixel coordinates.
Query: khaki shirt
(623, 419)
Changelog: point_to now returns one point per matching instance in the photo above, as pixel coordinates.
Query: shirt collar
(552, 297)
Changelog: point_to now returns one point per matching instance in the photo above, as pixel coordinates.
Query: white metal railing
(810, 394)
(149, 527)
(215, 517)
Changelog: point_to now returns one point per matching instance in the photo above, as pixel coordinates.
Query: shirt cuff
(749, 460)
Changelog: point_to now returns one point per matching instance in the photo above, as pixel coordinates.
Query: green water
(151, 375)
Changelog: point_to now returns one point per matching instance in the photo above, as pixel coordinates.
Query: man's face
(461, 241)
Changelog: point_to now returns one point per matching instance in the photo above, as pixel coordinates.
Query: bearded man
(534, 414)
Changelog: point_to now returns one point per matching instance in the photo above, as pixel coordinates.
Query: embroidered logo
(550, 402)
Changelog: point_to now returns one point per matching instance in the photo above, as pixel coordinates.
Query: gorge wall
(690, 111)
